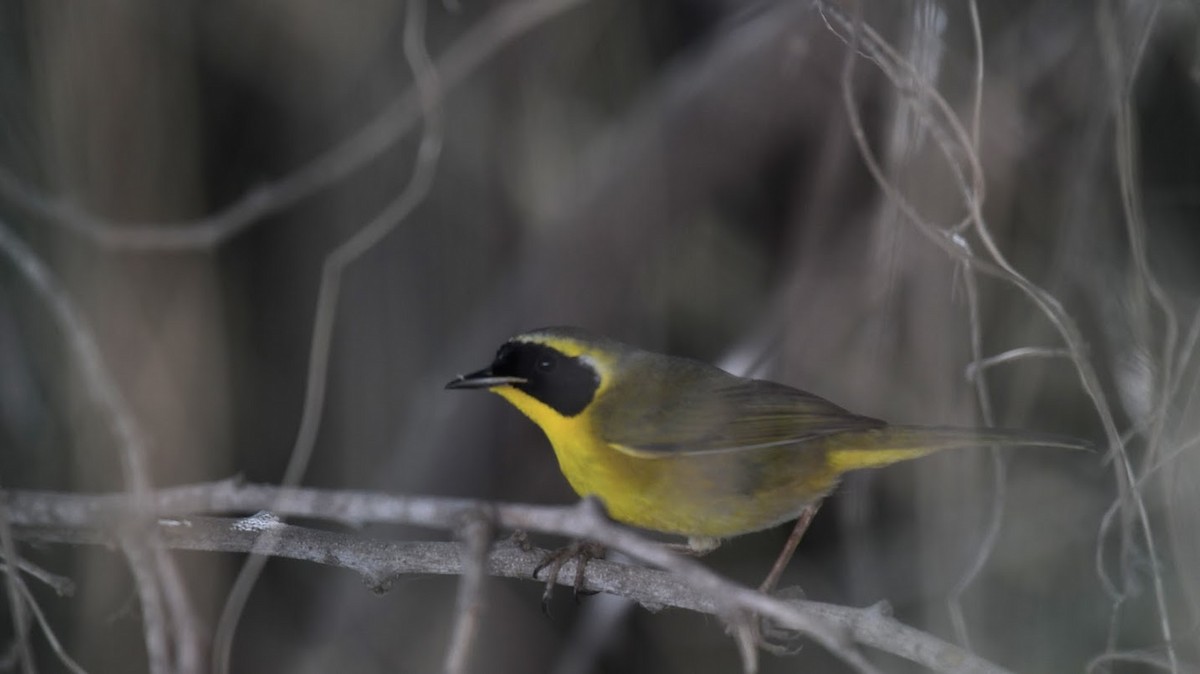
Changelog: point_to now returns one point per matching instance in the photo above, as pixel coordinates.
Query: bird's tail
(888, 445)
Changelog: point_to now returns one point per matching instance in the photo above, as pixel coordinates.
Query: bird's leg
(582, 552)
(769, 637)
(789, 547)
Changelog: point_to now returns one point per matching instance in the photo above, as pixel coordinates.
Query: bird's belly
(717, 495)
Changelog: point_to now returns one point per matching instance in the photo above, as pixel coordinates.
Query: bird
(681, 447)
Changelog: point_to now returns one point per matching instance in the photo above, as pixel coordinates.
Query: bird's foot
(779, 640)
(582, 552)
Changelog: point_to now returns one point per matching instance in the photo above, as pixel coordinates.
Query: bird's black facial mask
(563, 383)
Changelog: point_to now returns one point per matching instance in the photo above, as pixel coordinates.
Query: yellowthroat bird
(681, 447)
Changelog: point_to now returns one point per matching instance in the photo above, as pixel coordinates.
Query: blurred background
(679, 174)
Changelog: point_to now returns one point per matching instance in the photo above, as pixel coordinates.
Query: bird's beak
(483, 379)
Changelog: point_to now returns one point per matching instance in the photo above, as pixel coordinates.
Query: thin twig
(62, 586)
(1144, 281)
(16, 607)
(977, 90)
(1126, 150)
(477, 535)
(999, 467)
(882, 54)
(476, 47)
(154, 616)
(976, 368)
(1153, 660)
(1130, 498)
(48, 632)
(595, 629)
(19, 594)
(428, 87)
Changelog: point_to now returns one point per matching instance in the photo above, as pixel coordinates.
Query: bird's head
(557, 371)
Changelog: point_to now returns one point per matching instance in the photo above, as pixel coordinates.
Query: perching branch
(184, 523)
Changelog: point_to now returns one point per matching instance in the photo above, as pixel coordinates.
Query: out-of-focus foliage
(681, 175)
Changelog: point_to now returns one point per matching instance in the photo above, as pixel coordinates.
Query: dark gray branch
(682, 583)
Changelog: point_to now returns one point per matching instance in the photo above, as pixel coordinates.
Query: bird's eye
(546, 364)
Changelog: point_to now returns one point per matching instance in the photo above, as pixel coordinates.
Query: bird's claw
(582, 552)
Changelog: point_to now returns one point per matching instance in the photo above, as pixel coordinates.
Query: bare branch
(683, 583)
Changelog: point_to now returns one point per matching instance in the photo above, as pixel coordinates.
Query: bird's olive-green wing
(702, 409)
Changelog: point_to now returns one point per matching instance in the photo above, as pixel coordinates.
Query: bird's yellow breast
(696, 495)
(589, 464)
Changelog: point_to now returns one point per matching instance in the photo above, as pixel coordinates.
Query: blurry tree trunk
(116, 94)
